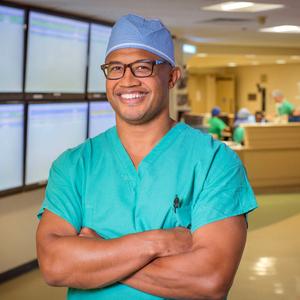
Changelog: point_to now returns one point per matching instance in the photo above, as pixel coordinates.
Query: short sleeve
(63, 191)
(226, 191)
(238, 134)
(222, 125)
(290, 108)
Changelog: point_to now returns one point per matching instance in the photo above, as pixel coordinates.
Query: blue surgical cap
(243, 114)
(215, 111)
(132, 31)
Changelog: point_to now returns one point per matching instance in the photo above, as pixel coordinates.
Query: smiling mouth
(132, 98)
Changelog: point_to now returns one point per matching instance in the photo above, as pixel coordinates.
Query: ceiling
(188, 21)
(238, 60)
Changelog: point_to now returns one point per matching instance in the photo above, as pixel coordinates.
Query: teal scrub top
(96, 185)
(239, 134)
(285, 108)
(216, 126)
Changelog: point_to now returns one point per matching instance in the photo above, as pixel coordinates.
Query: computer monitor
(101, 117)
(11, 146)
(98, 44)
(224, 118)
(57, 54)
(52, 129)
(11, 49)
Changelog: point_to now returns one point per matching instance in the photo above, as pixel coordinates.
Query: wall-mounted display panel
(101, 117)
(99, 37)
(11, 49)
(52, 129)
(56, 56)
(11, 146)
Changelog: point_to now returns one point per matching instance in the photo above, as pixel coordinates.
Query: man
(150, 209)
(284, 107)
(217, 127)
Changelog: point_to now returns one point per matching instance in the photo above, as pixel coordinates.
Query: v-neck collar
(157, 150)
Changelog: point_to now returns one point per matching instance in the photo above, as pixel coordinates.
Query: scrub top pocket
(183, 216)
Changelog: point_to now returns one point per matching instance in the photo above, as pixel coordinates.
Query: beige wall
(283, 77)
(197, 93)
(18, 224)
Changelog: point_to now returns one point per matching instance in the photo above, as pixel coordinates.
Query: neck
(139, 140)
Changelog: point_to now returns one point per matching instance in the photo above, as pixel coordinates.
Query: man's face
(139, 100)
(278, 99)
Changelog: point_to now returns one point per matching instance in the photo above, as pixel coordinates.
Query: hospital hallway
(270, 268)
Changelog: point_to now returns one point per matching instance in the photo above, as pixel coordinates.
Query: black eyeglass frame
(153, 62)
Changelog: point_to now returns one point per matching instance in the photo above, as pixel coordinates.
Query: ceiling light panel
(187, 48)
(280, 61)
(232, 64)
(242, 6)
(282, 29)
(202, 55)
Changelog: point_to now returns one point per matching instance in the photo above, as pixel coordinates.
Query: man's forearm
(82, 262)
(85, 260)
(205, 272)
(179, 277)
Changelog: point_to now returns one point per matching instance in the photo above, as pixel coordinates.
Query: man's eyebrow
(139, 60)
(114, 62)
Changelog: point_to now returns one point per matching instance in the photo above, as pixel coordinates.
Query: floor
(270, 268)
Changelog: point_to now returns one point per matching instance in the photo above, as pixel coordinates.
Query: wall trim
(17, 271)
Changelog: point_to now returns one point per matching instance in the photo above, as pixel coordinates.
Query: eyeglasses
(140, 68)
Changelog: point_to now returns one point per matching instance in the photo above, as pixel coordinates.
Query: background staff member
(243, 117)
(150, 209)
(283, 106)
(217, 126)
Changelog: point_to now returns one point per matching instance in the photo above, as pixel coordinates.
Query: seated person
(217, 127)
(260, 117)
(243, 117)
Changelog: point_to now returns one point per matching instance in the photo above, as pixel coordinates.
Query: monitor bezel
(19, 188)
(42, 183)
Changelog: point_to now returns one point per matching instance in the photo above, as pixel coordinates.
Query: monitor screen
(98, 43)
(11, 49)
(11, 146)
(52, 129)
(101, 117)
(57, 54)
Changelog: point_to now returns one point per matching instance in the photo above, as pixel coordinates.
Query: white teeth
(132, 96)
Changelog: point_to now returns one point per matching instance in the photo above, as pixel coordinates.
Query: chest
(118, 201)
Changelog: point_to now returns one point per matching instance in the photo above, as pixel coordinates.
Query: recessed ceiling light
(232, 64)
(296, 57)
(187, 48)
(242, 6)
(280, 61)
(202, 54)
(236, 5)
(282, 29)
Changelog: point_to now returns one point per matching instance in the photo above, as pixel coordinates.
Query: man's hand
(178, 240)
(86, 232)
(85, 260)
(205, 272)
(173, 241)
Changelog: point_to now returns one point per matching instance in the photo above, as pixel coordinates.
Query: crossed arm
(168, 263)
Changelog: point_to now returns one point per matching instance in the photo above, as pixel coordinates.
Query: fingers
(88, 233)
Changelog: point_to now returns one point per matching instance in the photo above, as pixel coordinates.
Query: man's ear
(175, 75)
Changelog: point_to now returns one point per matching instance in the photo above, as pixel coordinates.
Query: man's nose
(129, 79)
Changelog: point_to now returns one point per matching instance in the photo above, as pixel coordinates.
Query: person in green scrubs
(243, 117)
(151, 208)
(283, 106)
(216, 125)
